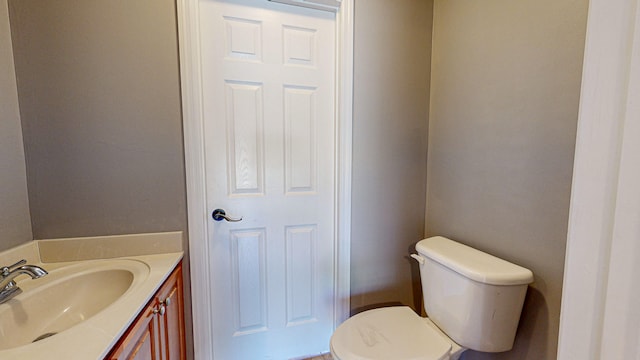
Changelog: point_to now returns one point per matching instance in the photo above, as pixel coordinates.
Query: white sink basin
(66, 297)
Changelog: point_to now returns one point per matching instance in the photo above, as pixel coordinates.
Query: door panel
(268, 86)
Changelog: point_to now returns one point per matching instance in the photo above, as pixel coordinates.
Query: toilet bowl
(473, 299)
(396, 333)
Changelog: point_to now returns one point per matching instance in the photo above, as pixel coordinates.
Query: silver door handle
(219, 215)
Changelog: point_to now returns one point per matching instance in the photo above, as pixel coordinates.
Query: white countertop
(93, 338)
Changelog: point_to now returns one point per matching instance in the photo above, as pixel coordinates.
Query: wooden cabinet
(171, 318)
(158, 332)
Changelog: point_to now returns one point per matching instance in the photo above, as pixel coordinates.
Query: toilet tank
(474, 297)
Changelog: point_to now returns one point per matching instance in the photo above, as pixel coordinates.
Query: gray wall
(504, 103)
(99, 90)
(15, 221)
(391, 105)
(98, 84)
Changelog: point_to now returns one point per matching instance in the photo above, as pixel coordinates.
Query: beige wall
(98, 83)
(504, 102)
(391, 105)
(15, 221)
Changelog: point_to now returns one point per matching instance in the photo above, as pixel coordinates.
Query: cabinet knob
(161, 310)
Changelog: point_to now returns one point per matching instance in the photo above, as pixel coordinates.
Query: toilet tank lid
(474, 264)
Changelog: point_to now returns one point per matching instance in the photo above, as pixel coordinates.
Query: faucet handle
(6, 269)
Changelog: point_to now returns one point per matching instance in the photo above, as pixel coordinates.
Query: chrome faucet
(8, 287)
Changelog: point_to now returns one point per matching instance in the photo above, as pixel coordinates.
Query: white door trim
(193, 127)
(599, 317)
(344, 127)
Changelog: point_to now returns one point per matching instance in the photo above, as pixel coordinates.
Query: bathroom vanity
(158, 332)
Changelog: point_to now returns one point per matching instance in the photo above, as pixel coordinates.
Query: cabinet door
(172, 319)
(158, 333)
(140, 343)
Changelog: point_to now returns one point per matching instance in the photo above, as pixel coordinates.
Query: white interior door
(268, 73)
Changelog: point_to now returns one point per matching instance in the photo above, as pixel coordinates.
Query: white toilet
(473, 301)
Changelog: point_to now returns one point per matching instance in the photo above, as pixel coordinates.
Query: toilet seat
(395, 333)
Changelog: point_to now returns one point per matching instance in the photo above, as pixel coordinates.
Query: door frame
(193, 133)
(599, 298)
